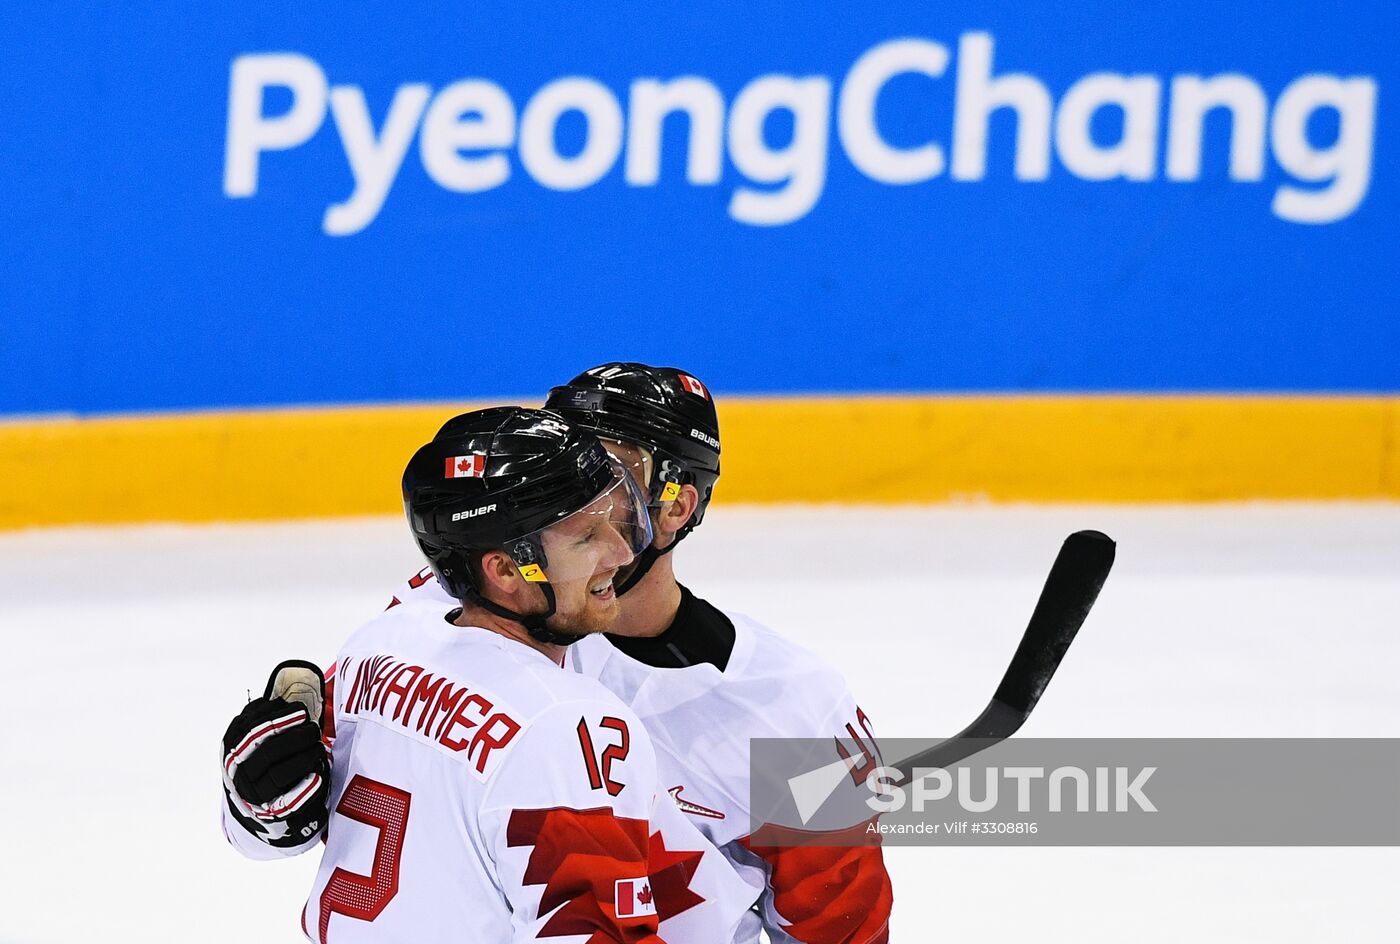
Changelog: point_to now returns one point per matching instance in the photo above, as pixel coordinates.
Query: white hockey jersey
(700, 719)
(479, 793)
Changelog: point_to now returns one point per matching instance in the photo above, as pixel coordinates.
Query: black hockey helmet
(665, 411)
(501, 478)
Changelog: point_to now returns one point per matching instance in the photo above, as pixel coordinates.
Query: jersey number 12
(600, 768)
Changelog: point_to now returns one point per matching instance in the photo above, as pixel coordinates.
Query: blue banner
(278, 203)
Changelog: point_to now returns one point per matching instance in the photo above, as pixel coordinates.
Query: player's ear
(675, 514)
(498, 574)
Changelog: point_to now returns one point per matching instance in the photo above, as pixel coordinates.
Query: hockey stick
(1070, 591)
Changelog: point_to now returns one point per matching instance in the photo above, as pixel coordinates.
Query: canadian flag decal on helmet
(693, 385)
(466, 467)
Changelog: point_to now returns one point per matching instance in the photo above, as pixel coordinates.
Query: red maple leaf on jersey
(671, 875)
(579, 856)
(644, 896)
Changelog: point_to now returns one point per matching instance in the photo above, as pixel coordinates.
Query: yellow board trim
(299, 463)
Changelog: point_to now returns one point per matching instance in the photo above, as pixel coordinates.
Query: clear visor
(636, 460)
(599, 538)
(639, 461)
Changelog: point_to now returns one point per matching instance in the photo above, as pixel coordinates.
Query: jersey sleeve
(819, 894)
(567, 820)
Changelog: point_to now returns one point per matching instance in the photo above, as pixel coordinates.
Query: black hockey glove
(276, 769)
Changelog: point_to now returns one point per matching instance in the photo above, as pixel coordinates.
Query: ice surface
(127, 650)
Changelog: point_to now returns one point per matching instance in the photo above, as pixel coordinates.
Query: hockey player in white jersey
(705, 681)
(478, 792)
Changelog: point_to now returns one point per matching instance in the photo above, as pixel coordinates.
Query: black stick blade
(1073, 585)
(1071, 588)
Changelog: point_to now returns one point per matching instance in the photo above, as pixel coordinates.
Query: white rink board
(127, 650)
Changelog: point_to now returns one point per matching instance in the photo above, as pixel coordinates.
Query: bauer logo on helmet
(473, 512)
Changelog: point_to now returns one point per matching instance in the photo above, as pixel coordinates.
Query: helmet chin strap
(534, 623)
(646, 559)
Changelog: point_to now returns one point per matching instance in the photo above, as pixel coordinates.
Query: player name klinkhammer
(440, 710)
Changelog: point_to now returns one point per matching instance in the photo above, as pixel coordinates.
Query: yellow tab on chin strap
(670, 492)
(534, 573)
